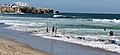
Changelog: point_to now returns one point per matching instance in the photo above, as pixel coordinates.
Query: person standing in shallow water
(47, 30)
(53, 29)
(110, 33)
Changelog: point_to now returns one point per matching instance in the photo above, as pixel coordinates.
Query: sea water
(78, 28)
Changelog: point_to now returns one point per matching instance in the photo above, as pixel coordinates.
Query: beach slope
(10, 47)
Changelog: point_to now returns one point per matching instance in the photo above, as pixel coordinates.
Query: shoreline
(72, 41)
(56, 41)
(12, 47)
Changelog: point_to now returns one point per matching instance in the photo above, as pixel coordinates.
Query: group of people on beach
(54, 30)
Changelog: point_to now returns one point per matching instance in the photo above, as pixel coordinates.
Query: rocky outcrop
(19, 9)
(36, 10)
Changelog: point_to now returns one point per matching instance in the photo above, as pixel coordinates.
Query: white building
(21, 4)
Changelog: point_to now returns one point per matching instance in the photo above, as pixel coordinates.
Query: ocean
(86, 29)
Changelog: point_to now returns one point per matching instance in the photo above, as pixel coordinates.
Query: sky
(77, 6)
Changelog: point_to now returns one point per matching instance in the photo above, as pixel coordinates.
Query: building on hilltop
(16, 9)
(5, 8)
(9, 9)
(22, 4)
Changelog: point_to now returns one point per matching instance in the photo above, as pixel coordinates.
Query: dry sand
(10, 47)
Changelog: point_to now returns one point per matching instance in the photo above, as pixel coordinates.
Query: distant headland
(22, 7)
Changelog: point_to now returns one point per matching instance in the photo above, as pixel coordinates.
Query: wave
(107, 20)
(64, 16)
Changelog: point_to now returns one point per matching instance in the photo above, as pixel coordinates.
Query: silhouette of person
(111, 33)
(47, 29)
(53, 29)
(104, 29)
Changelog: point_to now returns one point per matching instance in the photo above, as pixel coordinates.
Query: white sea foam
(106, 20)
(22, 23)
(96, 44)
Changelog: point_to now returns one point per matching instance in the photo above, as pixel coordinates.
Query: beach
(76, 36)
(58, 47)
(40, 28)
(10, 47)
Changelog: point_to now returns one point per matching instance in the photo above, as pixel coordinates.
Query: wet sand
(10, 47)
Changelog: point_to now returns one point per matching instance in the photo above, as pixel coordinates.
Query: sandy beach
(10, 47)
